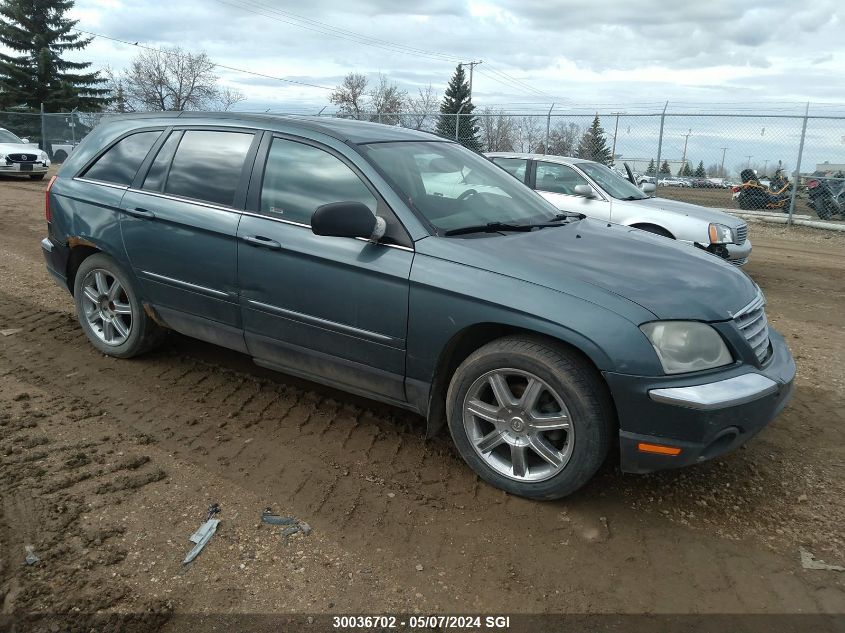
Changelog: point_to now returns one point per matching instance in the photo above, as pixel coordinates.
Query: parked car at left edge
(19, 157)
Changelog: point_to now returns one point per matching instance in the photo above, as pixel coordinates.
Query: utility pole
(472, 66)
(548, 128)
(722, 168)
(748, 163)
(765, 167)
(615, 130)
(684, 159)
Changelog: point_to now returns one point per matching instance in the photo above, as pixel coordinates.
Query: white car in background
(587, 187)
(19, 157)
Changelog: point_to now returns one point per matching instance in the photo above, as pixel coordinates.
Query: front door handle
(260, 240)
(138, 212)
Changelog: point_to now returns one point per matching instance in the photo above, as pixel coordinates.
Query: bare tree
(170, 79)
(387, 101)
(350, 95)
(419, 109)
(498, 131)
(563, 139)
(529, 136)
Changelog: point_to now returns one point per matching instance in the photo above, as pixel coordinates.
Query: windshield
(614, 184)
(454, 187)
(7, 137)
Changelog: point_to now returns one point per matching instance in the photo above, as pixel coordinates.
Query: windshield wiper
(495, 227)
(629, 198)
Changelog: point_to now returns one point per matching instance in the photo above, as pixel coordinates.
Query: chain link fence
(698, 157)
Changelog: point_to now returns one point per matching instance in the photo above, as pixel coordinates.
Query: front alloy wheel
(518, 425)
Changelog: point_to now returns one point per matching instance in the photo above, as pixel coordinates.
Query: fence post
(797, 179)
(457, 122)
(660, 146)
(44, 133)
(548, 125)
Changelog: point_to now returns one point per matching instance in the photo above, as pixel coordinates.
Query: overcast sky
(535, 52)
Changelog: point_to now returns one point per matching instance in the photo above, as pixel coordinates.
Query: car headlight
(684, 346)
(720, 234)
(43, 156)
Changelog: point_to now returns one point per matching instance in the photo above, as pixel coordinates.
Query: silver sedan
(587, 187)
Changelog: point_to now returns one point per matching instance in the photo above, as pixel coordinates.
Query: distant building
(827, 168)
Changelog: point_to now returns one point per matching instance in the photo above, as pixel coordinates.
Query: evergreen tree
(664, 168)
(593, 145)
(458, 98)
(685, 170)
(651, 169)
(700, 172)
(38, 34)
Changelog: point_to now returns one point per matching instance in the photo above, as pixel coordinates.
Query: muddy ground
(108, 466)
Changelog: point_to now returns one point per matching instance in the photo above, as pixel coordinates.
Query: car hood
(691, 210)
(18, 148)
(669, 279)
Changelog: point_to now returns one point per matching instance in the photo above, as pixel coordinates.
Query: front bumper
(738, 253)
(27, 169)
(703, 417)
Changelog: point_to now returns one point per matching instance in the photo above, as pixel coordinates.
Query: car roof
(346, 130)
(564, 160)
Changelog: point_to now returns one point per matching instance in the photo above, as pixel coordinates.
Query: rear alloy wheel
(110, 310)
(530, 417)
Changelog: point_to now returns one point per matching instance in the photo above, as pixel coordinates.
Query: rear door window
(208, 165)
(157, 175)
(122, 161)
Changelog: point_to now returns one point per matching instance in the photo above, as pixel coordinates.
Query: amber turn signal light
(658, 449)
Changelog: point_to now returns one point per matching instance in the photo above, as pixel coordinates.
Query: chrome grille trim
(742, 234)
(752, 323)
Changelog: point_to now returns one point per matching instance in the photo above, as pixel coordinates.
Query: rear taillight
(735, 189)
(47, 212)
(813, 184)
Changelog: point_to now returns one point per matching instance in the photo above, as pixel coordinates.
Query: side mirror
(648, 187)
(584, 190)
(347, 219)
(25, 140)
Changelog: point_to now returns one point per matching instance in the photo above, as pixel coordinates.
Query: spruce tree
(457, 98)
(664, 168)
(700, 172)
(685, 170)
(593, 145)
(34, 72)
(651, 169)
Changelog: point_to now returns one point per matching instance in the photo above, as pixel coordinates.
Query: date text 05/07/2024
(437, 622)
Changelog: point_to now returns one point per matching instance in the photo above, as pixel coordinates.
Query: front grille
(742, 261)
(742, 234)
(751, 321)
(23, 158)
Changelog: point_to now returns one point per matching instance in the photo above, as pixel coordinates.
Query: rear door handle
(260, 240)
(138, 212)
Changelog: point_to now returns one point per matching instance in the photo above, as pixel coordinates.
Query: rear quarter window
(121, 162)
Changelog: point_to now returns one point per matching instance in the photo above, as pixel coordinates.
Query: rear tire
(530, 417)
(110, 310)
(824, 209)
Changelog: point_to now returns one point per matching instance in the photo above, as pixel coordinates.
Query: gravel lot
(107, 467)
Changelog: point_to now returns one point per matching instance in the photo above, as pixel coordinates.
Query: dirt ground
(721, 198)
(108, 466)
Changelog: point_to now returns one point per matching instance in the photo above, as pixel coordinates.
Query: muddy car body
(315, 247)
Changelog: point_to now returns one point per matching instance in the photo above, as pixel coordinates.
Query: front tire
(530, 417)
(110, 311)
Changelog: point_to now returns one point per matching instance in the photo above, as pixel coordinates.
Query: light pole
(548, 126)
(722, 168)
(684, 160)
(615, 130)
(748, 163)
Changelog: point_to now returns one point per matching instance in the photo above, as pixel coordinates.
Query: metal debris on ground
(201, 537)
(31, 558)
(213, 509)
(274, 519)
(11, 331)
(808, 561)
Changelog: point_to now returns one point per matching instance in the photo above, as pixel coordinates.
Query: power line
(216, 65)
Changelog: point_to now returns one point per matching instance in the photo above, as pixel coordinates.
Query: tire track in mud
(365, 475)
